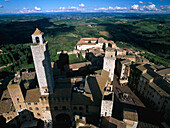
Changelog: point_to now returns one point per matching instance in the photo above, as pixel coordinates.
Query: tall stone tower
(15, 91)
(109, 62)
(42, 63)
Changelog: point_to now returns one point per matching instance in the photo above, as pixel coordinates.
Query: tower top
(37, 32)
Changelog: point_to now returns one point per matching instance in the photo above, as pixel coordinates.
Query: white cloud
(119, 8)
(151, 7)
(81, 5)
(1, 6)
(165, 8)
(69, 9)
(150, 3)
(135, 6)
(141, 2)
(25, 9)
(114, 9)
(37, 9)
(6, 0)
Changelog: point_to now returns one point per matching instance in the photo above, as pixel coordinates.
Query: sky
(39, 6)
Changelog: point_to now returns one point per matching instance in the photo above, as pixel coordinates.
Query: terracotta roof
(164, 71)
(141, 68)
(33, 95)
(94, 86)
(130, 114)
(147, 76)
(6, 106)
(110, 122)
(128, 62)
(37, 32)
(79, 65)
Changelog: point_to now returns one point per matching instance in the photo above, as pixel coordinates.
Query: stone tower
(107, 104)
(15, 91)
(109, 62)
(42, 63)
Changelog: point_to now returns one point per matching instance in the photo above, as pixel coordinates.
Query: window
(38, 114)
(105, 113)
(18, 99)
(47, 108)
(30, 108)
(20, 106)
(36, 108)
(46, 91)
(29, 103)
(35, 103)
(37, 40)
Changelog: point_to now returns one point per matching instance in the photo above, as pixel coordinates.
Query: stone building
(130, 117)
(16, 94)
(87, 43)
(154, 88)
(123, 70)
(109, 62)
(107, 102)
(42, 63)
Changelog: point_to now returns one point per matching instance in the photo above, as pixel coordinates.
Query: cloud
(151, 7)
(69, 9)
(37, 9)
(81, 5)
(165, 8)
(1, 6)
(111, 9)
(150, 3)
(6, 0)
(25, 9)
(135, 6)
(141, 2)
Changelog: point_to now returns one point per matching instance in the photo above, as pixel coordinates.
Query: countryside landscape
(145, 32)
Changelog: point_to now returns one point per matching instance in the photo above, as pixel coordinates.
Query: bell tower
(38, 37)
(42, 63)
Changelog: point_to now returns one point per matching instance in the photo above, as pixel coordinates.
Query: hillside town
(114, 88)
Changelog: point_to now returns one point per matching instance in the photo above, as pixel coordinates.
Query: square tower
(109, 62)
(42, 63)
(16, 94)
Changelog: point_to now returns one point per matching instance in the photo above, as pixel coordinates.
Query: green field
(142, 31)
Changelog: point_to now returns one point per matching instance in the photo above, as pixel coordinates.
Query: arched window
(37, 39)
(110, 45)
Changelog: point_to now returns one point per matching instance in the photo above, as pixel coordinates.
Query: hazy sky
(33, 6)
